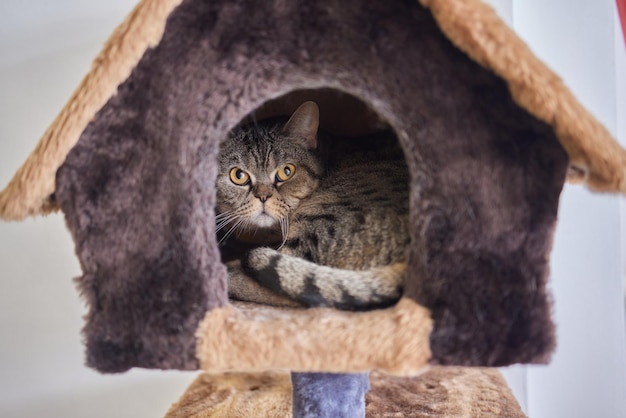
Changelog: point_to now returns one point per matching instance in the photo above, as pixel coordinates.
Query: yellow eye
(285, 173)
(239, 177)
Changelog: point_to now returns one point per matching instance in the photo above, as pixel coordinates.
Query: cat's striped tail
(316, 285)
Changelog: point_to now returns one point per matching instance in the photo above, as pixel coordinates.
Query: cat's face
(265, 170)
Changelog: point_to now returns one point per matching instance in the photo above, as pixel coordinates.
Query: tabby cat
(317, 233)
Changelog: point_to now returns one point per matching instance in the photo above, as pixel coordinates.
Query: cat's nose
(262, 192)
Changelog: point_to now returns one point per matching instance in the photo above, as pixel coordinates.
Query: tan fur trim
(28, 193)
(256, 338)
(459, 392)
(596, 158)
(236, 395)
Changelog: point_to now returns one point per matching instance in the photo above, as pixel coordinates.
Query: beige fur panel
(236, 395)
(460, 392)
(29, 191)
(251, 337)
(597, 160)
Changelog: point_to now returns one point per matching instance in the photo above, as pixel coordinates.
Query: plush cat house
(489, 133)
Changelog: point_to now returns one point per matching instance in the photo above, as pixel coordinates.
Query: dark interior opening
(341, 114)
(348, 127)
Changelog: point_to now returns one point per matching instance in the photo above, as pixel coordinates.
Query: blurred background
(46, 47)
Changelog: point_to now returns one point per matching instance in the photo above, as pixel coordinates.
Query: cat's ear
(304, 123)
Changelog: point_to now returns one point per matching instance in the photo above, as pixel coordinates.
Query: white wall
(580, 40)
(45, 49)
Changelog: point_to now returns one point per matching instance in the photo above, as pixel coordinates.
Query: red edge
(621, 9)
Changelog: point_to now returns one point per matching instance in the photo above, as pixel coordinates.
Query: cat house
(489, 133)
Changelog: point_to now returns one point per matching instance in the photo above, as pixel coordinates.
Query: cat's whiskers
(224, 219)
(228, 214)
(221, 222)
(256, 229)
(239, 220)
(284, 230)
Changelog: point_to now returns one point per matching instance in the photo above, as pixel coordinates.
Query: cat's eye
(285, 173)
(239, 177)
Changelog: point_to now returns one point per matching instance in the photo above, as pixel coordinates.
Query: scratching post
(489, 134)
(329, 395)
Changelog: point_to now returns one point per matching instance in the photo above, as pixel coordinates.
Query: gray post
(329, 395)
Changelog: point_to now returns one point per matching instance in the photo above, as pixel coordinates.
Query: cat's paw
(243, 288)
(260, 258)
(262, 265)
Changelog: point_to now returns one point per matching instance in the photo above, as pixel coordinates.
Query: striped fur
(317, 285)
(332, 235)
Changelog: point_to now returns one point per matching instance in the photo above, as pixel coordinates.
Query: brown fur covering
(31, 190)
(598, 159)
(138, 188)
(439, 392)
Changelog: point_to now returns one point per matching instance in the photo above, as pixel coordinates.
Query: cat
(311, 232)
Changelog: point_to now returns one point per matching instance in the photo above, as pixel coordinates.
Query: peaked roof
(596, 159)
